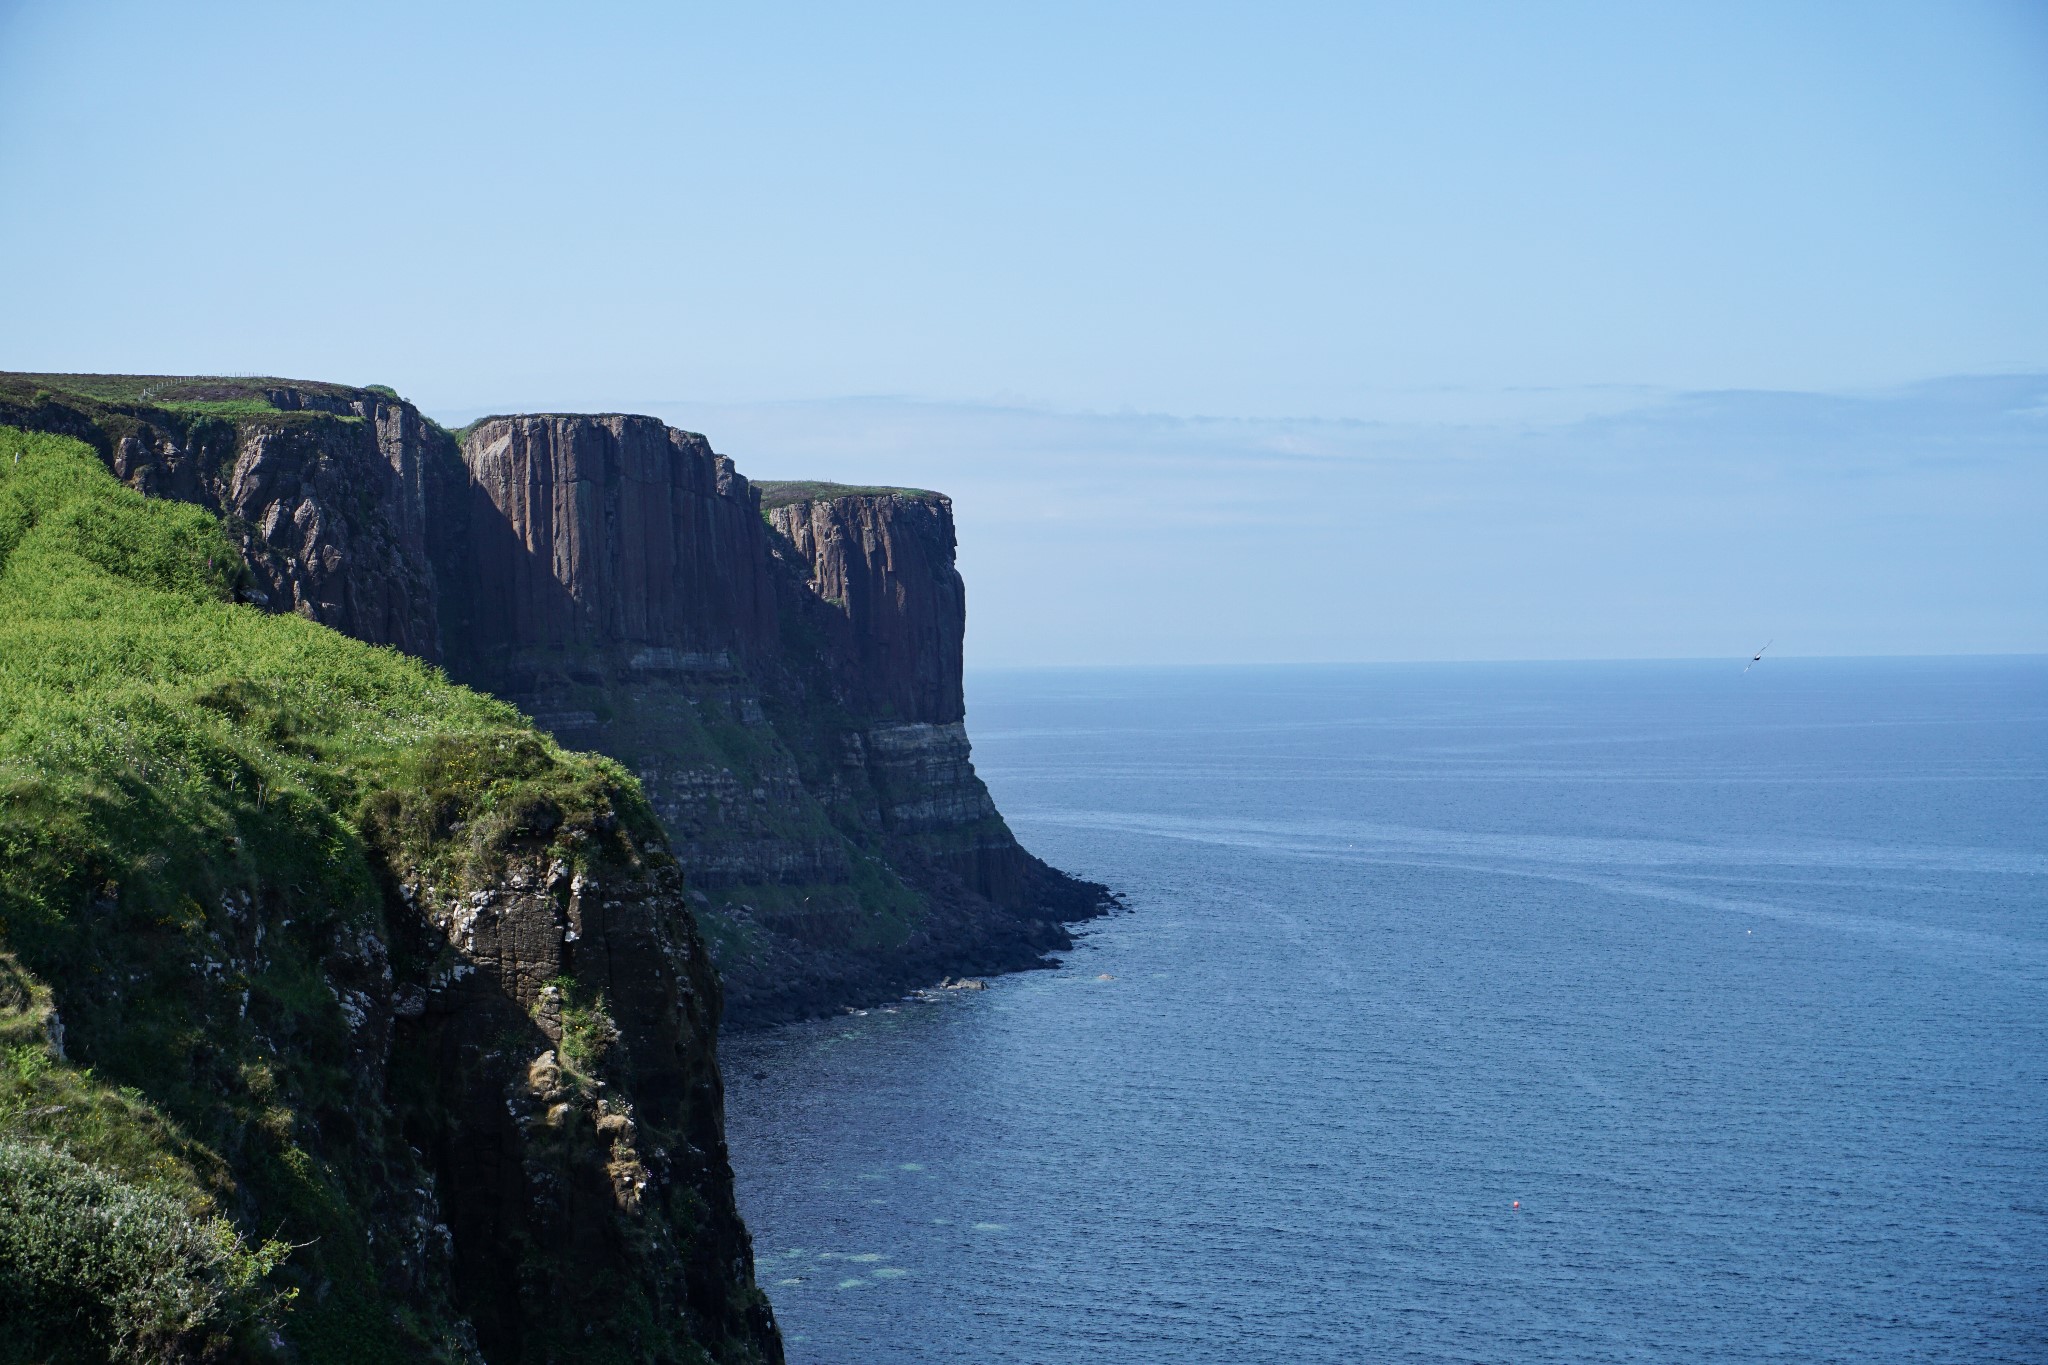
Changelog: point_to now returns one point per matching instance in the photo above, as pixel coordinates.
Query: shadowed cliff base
(783, 963)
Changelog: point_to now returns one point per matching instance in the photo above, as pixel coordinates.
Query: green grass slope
(186, 1154)
(172, 390)
(782, 492)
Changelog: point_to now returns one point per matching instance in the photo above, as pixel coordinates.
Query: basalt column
(878, 573)
(597, 541)
(782, 676)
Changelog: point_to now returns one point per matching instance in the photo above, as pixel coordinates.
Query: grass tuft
(95, 1268)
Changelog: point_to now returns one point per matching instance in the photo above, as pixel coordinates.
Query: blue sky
(1542, 301)
(1903, 521)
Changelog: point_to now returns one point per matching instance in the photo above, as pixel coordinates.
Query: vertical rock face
(878, 569)
(783, 676)
(883, 565)
(331, 514)
(567, 1025)
(613, 578)
(612, 535)
(333, 522)
(325, 488)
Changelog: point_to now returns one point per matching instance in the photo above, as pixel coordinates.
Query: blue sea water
(1738, 984)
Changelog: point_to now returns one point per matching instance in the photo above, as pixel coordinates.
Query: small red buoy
(1518, 1203)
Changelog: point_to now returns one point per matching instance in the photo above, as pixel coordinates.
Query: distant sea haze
(1561, 1012)
(1638, 524)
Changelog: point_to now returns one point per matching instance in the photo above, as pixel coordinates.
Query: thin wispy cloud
(1896, 521)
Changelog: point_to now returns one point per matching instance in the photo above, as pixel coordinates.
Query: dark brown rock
(610, 535)
(568, 1026)
(326, 492)
(787, 687)
(896, 610)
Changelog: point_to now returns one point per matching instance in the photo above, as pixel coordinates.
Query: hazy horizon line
(1628, 393)
(1429, 663)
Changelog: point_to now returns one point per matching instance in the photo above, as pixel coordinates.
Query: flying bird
(1757, 657)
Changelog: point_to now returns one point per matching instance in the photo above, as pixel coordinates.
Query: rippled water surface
(1738, 984)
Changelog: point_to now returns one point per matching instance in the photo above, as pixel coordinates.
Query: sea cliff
(345, 1015)
(783, 674)
(473, 1083)
(778, 665)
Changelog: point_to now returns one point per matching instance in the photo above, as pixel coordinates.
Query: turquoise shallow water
(1738, 984)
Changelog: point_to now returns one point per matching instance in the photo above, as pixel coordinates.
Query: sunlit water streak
(1739, 985)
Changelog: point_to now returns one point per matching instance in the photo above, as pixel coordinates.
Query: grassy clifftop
(782, 492)
(169, 390)
(113, 402)
(201, 807)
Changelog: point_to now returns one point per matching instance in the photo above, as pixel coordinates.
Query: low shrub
(93, 1268)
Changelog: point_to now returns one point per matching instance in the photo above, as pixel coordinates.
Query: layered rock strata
(881, 587)
(784, 678)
